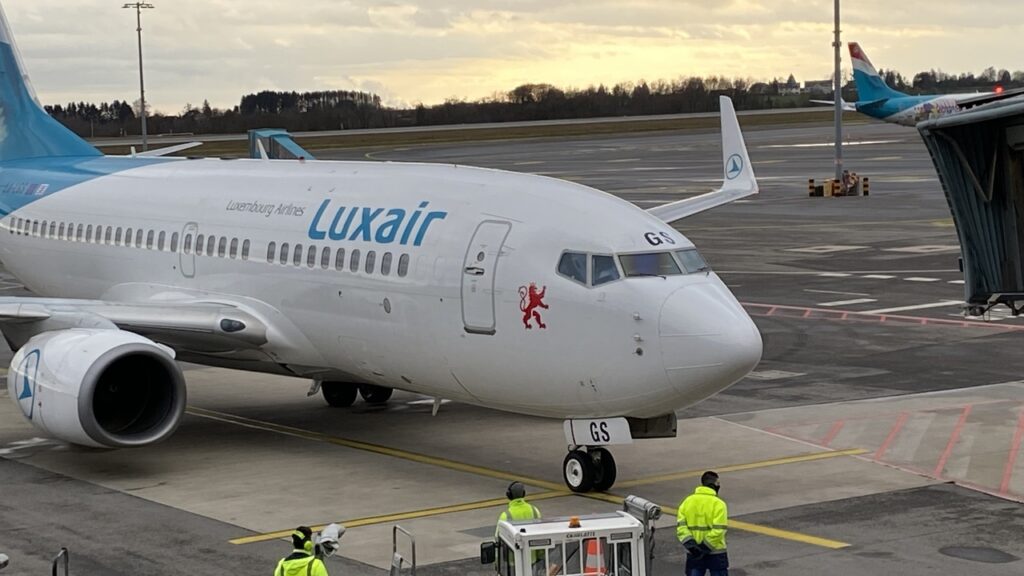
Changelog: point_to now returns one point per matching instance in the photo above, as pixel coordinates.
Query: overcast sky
(428, 50)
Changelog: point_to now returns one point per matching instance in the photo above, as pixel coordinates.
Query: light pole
(142, 84)
(838, 86)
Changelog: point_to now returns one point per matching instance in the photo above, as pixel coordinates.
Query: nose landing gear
(585, 469)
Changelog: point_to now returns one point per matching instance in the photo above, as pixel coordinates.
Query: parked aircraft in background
(511, 291)
(879, 100)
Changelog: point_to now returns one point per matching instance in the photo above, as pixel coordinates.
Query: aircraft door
(478, 274)
(186, 251)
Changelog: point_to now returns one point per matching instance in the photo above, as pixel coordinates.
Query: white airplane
(511, 291)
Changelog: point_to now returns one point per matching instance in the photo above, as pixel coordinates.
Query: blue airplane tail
(870, 86)
(26, 130)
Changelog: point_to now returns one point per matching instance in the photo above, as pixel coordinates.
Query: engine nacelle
(101, 388)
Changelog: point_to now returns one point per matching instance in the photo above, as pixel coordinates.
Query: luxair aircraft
(878, 100)
(510, 291)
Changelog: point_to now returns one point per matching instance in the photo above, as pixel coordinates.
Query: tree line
(342, 109)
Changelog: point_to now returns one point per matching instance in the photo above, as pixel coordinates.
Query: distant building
(818, 87)
(790, 87)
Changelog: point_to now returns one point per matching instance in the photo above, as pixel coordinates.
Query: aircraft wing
(739, 174)
(847, 106)
(989, 97)
(166, 150)
(181, 326)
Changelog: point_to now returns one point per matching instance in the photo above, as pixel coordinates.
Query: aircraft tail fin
(870, 85)
(26, 130)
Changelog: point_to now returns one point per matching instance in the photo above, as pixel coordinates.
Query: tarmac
(881, 432)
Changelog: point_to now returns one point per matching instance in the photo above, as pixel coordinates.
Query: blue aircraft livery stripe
(25, 181)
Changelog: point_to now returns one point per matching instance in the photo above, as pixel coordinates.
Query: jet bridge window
(573, 265)
(649, 264)
(604, 269)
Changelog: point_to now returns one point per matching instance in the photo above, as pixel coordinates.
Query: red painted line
(1011, 460)
(953, 438)
(807, 313)
(904, 416)
(853, 315)
(833, 432)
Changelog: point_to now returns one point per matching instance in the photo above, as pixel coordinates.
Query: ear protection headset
(298, 535)
(515, 490)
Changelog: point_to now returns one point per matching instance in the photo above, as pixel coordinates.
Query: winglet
(738, 174)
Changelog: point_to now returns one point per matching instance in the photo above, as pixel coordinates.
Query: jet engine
(100, 388)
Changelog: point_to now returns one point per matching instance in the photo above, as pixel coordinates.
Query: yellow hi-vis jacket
(704, 518)
(300, 563)
(518, 509)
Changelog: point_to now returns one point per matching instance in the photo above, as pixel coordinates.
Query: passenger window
(42, 228)
(200, 240)
(211, 244)
(149, 239)
(222, 246)
(403, 265)
(325, 258)
(60, 231)
(35, 228)
(53, 229)
(80, 233)
(691, 260)
(371, 261)
(385, 263)
(161, 239)
(284, 253)
(652, 264)
(353, 263)
(117, 235)
(339, 259)
(128, 237)
(245, 250)
(138, 238)
(271, 252)
(311, 257)
(604, 270)
(108, 235)
(174, 242)
(188, 244)
(234, 248)
(574, 266)
(297, 256)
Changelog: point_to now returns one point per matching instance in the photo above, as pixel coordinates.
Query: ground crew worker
(701, 523)
(518, 507)
(302, 561)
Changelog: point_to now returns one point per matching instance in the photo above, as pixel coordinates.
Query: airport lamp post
(838, 87)
(142, 84)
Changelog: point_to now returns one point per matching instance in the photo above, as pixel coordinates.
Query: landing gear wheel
(604, 468)
(578, 471)
(373, 394)
(339, 394)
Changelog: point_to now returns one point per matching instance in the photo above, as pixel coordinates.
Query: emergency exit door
(186, 253)
(478, 274)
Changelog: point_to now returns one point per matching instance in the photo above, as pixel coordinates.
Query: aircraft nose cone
(708, 341)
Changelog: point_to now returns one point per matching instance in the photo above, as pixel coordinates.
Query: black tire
(339, 394)
(373, 394)
(578, 471)
(604, 469)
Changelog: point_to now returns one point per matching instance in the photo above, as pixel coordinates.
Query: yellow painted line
(740, 467)
(555, 490)
(399, 516)
(374, 448)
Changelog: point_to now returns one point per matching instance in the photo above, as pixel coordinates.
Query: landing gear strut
(586, 469)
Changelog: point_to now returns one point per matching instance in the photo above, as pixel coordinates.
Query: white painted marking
(529, 163)
(830, 144)
(834, 274)
(955, 282)
(773, 375)
(921, 279)
(848, 302)
(878, 276)
(941, 304)
(925, 249)
(828, 249)
(836, 292)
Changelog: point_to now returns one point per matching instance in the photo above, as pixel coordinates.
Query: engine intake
(102, 388)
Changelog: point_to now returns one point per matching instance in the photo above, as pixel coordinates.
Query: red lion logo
(529, 300)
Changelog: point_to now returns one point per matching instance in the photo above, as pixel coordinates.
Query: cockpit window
(604, 270)
(574, 265)
(649, 264)
(692, 261)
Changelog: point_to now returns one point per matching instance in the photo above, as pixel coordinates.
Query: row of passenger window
(324, 256)
(211, 245)
(603, 269)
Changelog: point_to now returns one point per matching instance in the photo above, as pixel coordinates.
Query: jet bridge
(272, 143)
(979, 155)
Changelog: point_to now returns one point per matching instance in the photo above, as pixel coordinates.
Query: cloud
(429, 50)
